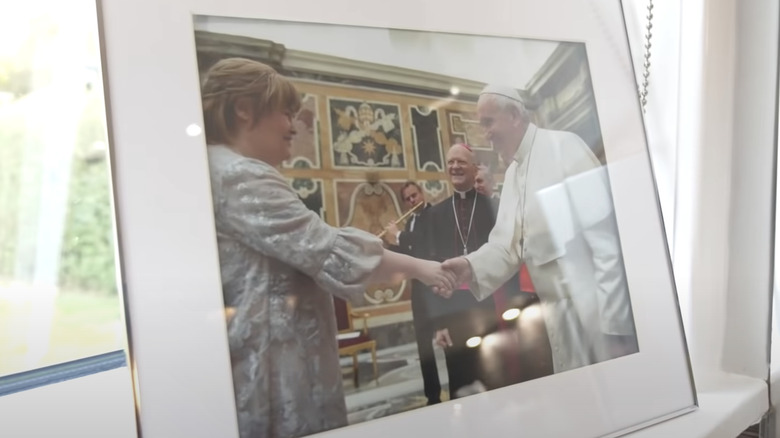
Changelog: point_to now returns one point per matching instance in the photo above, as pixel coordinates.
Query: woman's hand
(432, 274)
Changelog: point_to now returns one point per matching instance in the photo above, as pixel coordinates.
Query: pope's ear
(516, 117)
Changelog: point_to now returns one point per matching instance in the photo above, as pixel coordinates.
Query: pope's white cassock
(556, 215)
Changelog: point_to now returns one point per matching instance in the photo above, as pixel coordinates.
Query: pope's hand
(460, 268)
(432, 274)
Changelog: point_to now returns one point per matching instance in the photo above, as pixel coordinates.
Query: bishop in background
(457, 226)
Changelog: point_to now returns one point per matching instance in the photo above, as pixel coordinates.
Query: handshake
(443, 277)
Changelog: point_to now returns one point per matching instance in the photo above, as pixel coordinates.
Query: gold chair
(352, 341)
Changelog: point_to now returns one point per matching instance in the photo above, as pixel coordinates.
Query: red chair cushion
(354, 341)
(342, 314)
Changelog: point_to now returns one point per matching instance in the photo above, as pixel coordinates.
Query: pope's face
(500, 126)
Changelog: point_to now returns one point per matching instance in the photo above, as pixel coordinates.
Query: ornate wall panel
(371, 142)
(426, 135)
(365, 134)
(305, 150)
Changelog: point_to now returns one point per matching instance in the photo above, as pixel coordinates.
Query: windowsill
(97, 405)
(101, 405)
(728, 404)
(774, 381)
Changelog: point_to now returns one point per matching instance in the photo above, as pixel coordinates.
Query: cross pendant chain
(463, 240)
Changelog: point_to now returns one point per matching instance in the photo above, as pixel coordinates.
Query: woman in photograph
(280, 262)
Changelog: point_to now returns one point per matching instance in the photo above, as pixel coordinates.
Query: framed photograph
(268, 159)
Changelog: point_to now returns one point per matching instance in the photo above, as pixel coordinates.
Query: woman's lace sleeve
(259, 208)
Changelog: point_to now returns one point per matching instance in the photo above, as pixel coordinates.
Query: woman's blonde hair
(233, 78)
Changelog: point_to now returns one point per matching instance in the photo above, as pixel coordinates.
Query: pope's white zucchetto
(502, 90)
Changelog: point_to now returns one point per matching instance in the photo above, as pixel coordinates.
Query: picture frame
(175, 313)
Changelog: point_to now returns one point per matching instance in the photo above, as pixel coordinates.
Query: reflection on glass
(58, 295)
(474, 342)
(511, 314)
(774, 358)
(397, 155)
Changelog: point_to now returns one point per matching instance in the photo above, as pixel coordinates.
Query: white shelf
(728, 404)
(95, 406)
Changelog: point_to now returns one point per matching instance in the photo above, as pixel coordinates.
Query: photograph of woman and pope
(281, 263)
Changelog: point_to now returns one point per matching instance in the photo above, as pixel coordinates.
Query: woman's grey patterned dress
(280, 262)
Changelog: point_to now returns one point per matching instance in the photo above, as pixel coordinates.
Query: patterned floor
(399, 386)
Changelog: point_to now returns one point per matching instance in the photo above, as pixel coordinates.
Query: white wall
(752, 196)
(724, 199)
(661, 118)
(483, 59)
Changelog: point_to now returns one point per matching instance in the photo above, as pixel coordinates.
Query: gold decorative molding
(302, 62)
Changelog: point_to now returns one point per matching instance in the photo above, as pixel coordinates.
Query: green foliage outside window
(87, 255)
